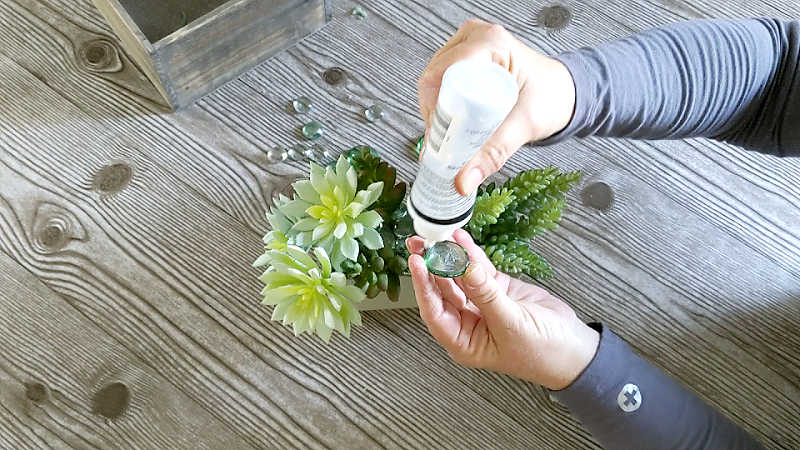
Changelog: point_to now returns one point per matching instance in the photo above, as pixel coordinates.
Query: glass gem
(403, 223)
(417, 149)
(359, 150)
(359, 13)
(374, 113)
(447, 259)
(313, 130)
(309, 154)
(276, 154)
(297, 152)
(302, 105)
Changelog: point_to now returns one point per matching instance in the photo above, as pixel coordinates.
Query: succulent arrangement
(341, 237)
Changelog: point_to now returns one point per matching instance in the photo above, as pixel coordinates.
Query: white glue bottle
(474, 99)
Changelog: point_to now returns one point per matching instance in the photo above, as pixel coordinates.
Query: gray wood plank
(54, 367)
(635, 263)
(189, 304)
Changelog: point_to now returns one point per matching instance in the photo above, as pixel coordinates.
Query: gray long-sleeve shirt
(732, 80)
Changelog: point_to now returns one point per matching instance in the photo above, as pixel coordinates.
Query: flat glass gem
(313, 130)
(374, 113)
(418, 148)
(359, 150)
(309, 153)
(302, 105)
(359, 13)
(276, 154)
(446, 259)
(297, 152)
(323, 153)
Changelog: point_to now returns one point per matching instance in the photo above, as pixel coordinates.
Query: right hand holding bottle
(546, 94)
(486, 319)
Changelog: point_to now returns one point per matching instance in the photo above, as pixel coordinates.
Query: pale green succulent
(328, 212)
(308, 294)
(277, 238)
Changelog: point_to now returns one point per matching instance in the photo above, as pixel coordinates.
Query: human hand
(546, 94)
(486, 319)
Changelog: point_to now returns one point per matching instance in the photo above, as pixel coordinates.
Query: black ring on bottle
(441, 221)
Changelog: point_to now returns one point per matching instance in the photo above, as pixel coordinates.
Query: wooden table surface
(130, 315)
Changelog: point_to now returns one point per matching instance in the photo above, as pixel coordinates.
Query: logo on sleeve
(629, 398)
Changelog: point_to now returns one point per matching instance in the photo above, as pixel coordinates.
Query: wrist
(586, 341)
(562, 97)
(551, 95)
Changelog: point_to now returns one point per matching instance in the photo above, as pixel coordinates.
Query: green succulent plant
(341, 237)
(328, 211)
(307, 294)
(507, 217)
(377, 271)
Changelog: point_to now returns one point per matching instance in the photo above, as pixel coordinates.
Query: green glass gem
(361, 149)
(447, 259)
(313, 130)
(418, 148)
(403, 224)
(302, 105)
(374, 113)
(359, 13)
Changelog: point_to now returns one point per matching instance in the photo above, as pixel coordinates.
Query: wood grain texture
(695, 263)
(47, 343)
(153, 288)
(219, 41)
(133, 40)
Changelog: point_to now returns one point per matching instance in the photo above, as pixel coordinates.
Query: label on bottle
(434, 195)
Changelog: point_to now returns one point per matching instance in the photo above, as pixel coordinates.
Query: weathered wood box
(188, 48)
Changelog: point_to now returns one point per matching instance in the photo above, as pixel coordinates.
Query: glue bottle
(474, 99)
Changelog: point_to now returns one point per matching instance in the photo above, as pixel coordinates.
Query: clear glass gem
(310, 154)
(446, 259)
(297, 152)
(276, 154)
(322, 153)
(313, 130)
(374, 113)
(359, 13)
(302, 105)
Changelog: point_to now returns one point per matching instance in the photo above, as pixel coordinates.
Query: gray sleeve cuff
(625, 402)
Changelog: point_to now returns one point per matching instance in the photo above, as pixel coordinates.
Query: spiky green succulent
(307, 294)
(329, 211)
(507, 217)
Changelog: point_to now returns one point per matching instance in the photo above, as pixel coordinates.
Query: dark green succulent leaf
(393, 289)
(383, 281)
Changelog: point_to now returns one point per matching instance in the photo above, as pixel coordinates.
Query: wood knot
(112, 178)
(111, 401)
(598, 196)
(554, 17)
(334, 76)
(37, 392)
(100, 55)
(52, 234)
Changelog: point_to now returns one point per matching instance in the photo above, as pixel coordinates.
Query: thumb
(496, 307)
(512, 134)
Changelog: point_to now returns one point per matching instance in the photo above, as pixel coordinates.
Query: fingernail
(473, 179)
(409, 248)
(475, 276)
